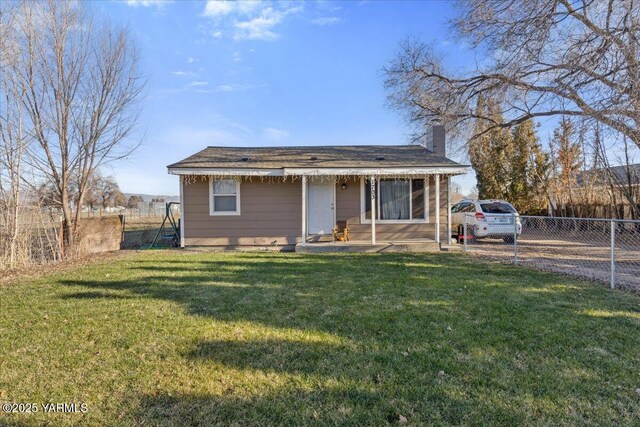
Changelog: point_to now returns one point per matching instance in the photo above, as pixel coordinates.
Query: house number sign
(373, 188)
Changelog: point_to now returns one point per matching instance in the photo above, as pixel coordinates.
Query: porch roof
(317, 160)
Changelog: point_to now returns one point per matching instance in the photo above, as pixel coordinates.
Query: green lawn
(166, 337)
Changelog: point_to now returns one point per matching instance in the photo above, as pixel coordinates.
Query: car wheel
(508, 239)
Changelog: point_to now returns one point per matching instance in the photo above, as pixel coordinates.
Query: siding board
(271, 213)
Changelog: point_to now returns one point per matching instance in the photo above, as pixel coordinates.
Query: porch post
(181, 211)
(304, 209)
(373, 209)
(448, 209)
(437, 178)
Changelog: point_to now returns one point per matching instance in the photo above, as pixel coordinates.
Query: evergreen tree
(501, 154)
(568, 153)
(490, 153)
(567, 161)
(509, 165)
(529, 168)
(479, 149)
(540, 177)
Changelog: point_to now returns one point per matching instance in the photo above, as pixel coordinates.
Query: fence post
(515, 240)
(464, 237)
(613, 254)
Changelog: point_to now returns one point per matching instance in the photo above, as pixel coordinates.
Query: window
(469, 207)
(417, 199)
(497, 208)
(367, 199)
(394, 199)
(398, 200)
(463, 207)
(225, 197)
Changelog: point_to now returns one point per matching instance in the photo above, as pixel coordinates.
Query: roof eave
(224, 171)
(341, 171)
(380, 171)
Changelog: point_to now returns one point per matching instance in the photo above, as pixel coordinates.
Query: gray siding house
(233, 197)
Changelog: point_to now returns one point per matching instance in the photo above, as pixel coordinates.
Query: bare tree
(79, 86)
(106, 191)
(13, 144)
(12, 149)
(541, 58)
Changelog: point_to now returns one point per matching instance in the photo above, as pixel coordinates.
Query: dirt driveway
(590, 257)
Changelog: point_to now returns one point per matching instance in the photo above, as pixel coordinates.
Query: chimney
(437, 142)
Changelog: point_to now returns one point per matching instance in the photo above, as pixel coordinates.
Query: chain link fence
(144, 210)
(604, 250)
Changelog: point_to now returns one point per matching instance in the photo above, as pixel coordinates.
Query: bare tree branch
(542, 58)
(80, 86)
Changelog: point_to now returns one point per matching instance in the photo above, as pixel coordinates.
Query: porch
(386, 211)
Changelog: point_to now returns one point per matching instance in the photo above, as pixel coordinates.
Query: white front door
(320, 206)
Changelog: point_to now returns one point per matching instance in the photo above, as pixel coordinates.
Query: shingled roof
(618, 173)
(337, 156)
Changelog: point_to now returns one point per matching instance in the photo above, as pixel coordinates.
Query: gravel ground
(589, 258)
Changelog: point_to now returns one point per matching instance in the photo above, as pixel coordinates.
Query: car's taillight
(480, 216)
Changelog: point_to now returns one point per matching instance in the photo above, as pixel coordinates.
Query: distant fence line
(595, 211)
(52, 216)
(155, 210)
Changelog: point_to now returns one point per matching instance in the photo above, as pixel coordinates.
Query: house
(233, 197)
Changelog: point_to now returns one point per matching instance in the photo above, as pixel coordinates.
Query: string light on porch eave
(190, 179)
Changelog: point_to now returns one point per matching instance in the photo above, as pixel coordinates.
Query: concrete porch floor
(366, 246)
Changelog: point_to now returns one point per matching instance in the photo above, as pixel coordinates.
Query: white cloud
(191, 60)
(326, 20)
(260, 27)
(275, 134)
(217, 8)
(218, 130)
(232, 87)
(148, 3)
(237, 56)
(249, 20)
(180, 73)
(199, 138)
(198, 86)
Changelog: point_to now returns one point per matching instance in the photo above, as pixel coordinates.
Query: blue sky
(267, 73)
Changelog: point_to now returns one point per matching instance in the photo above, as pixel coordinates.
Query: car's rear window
(497, 208)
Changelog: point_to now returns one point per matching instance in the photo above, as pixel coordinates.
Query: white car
(486, 218)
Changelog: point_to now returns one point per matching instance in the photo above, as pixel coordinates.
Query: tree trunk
(67, 224)
(16, 230)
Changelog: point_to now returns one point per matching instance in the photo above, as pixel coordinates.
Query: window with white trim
(397, 200)
(224, 196)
